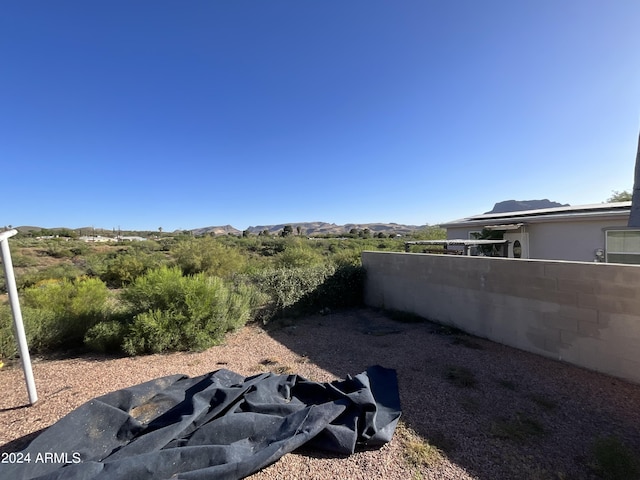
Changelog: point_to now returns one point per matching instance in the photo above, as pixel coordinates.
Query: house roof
(617, 210)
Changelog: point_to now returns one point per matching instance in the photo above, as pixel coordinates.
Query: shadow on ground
(495, 411)
(19, 443)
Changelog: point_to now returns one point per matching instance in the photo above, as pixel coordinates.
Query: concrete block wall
(587, 314)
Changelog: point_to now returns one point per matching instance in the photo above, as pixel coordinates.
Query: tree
(366, 233)
(616, 196)
(299, 230)
(287, 230)
(634, 217)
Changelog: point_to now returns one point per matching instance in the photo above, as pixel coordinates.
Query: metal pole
(18, 326)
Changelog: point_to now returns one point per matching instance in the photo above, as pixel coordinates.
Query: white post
(18, 326)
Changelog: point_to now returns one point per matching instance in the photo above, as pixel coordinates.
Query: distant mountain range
(520, 205)
(324, 228)
(306, 228)
(312, 228)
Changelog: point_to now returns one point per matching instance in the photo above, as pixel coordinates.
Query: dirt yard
(471, 408)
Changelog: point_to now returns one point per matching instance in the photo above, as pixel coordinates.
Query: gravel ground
(488, 411)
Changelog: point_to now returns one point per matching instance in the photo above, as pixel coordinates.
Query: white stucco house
(584, 233)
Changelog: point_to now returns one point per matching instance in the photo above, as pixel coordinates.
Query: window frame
(608, 252)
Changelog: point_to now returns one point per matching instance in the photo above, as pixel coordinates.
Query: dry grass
(519, 428)
(460, 376)
(418, 451)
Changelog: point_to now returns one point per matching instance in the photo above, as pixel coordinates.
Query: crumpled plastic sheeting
(216, 426)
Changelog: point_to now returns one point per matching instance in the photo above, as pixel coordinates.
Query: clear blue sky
(146, 114)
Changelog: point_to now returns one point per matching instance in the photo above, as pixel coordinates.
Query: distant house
(579, 233)
(130, 238)
(95, 238)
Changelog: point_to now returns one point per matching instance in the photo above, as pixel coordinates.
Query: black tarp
(216, 426)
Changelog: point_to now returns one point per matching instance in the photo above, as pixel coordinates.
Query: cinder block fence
(587, 314)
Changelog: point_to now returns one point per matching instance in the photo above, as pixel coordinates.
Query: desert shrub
(287, 287)
(122, 270)
(294, 291)
(81, 297)
(58, 313)
(266, 246)
(175, 312)
(343, 288)
(146, 247)
(58, 249)
(44, 331)
(206, 255)
(63, 271)
(7, 340)
(151, 332)
(346, 256)
(96, 264)
(39, 327)
(125, 266)
(106, 336)
(78, 247)
(21, 261)
(297, 256)
(158, 289)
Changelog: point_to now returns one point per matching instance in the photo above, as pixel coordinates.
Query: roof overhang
(508, 226)
(618, 215)
(458, 241)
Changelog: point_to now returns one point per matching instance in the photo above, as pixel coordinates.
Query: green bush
(45, 331)
(56, 272)
(7, 341)
(207, 255)
(106, 336)
(297, 256)
(58, 249)
(39, 325)
(152, 332)
(79, 248)
(175, 312)
(21, 261)
(58, 313)
(295, 291)
(64, 297)
(158, 289)
(122, 269)
(344, 288)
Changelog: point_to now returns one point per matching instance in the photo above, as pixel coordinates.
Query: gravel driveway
(471, 408)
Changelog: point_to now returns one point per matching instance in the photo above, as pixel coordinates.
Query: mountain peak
(520, 205)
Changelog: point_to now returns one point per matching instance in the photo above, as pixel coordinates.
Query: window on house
(475, 235)
(623, 246)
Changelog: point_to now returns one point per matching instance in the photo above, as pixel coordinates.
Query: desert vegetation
(178, 291)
